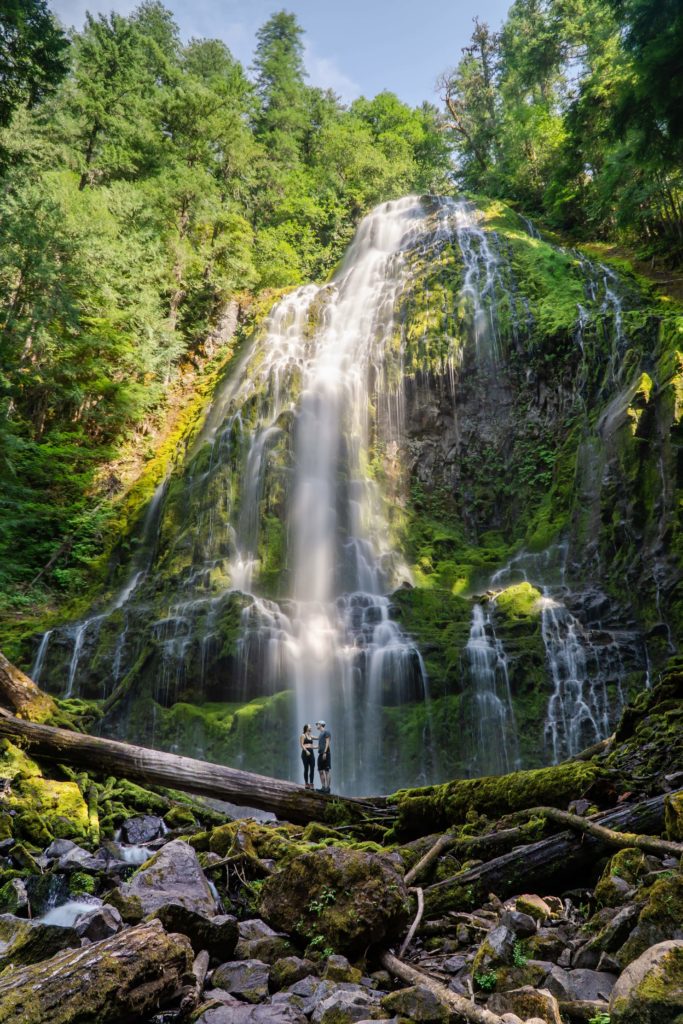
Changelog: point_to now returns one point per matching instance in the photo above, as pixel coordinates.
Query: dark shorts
(324, 762)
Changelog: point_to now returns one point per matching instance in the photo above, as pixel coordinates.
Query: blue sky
(356, 47)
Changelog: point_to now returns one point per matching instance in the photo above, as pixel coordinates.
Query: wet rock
(173, 875)
(46, 891)
(579, 984)
(417, 1003)
(272, 1014)
(98, 923)
(289, 970)
(141, 829)
(247, 979)
(338, 968)
(527, 1002)
(362, 899)
(28, 942)
(521, 924)
(217, 935)
(346, 1005)
(650, 990)
(14, 898)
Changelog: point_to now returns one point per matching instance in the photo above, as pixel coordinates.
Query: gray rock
(338, 968)
(141, 829)
(289, 970)
(247, 979)
(521, 924)
(306, 994)
(496, 948)
(98, 923)
(268, 948)
(173, 875)
(527, 1002)
(272, 1014)
(650, 989)
(454, 964)
(217, 935)
(417, 1003)
(58, 847)
(579, 984)
(346, 1005)
(255, 928)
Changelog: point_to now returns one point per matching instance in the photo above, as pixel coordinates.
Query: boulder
(141, 829)
(173, 875)
(650, 989)
(612, 935)
(348, 898)
(268, 948)
(534, 906)
(660, 919)
(272, 1014)
(338, 968)
(29, 942)
(521, 924)
(673, 817)
(289, 970)
(579, 984)
(14, 898)
(98, 923)
(247, 979)
(527, 1002)
(347, 1004)
(417, 1003)
(496, 948)
(623, 872)
(217, 935)
(255, 928)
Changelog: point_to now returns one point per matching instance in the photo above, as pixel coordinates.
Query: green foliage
(600, 1018)
(486, 980)
(153, 186)
(519, 955)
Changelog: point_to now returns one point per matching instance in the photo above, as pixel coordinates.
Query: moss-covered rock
(626, 866)
(650, 990)
(660, 919)
(341, 898)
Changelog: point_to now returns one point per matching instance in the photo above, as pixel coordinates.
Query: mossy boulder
(417, 1003)
(660, 919)
(623, 872)
(527, 1002)
(173, 875)
(45, 809)
(343, 899)
(650, 990)
(29, 942)
(673, 816)
(519, 602)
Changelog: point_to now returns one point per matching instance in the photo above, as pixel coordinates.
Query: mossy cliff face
(524, 417)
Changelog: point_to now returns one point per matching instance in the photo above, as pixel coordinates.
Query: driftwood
(21, 694)
(550, 863)
(119, 980)
(460, 1006)
(155, 767)
(416, 923)
(192, 996)
(442, 844)
(622, 840)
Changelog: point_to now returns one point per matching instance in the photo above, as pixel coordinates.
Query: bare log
(440, 846)
(284, 799)
(622, 840)
(22, 695)
(116, 981)
(550, 863)
(414, 926)
(460, 1006)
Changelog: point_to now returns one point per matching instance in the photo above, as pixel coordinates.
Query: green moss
(520, 601)
(421, 810)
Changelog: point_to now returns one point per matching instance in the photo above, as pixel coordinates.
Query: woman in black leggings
(307, 756)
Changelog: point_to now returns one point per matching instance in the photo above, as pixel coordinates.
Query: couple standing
(307, 743)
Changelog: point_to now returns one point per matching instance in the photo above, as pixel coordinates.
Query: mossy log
(21, 694)
(622, 840)
(118, 980)
(155, 767)
(552, 864)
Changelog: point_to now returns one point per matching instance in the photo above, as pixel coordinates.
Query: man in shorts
(324, 757)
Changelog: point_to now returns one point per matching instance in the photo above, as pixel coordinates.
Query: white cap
(321, 723)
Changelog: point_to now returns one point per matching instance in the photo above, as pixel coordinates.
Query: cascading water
(493, 726)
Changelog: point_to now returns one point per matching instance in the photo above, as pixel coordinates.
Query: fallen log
(622, 840)
(284, 799)
(119, 980)
(549, 863)
(461, 1007)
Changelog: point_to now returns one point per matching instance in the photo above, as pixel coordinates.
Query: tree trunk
(285, 799)
(119, 980)
(551, 864)
(25, 698)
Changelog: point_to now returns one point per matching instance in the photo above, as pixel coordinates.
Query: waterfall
(493, 726)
